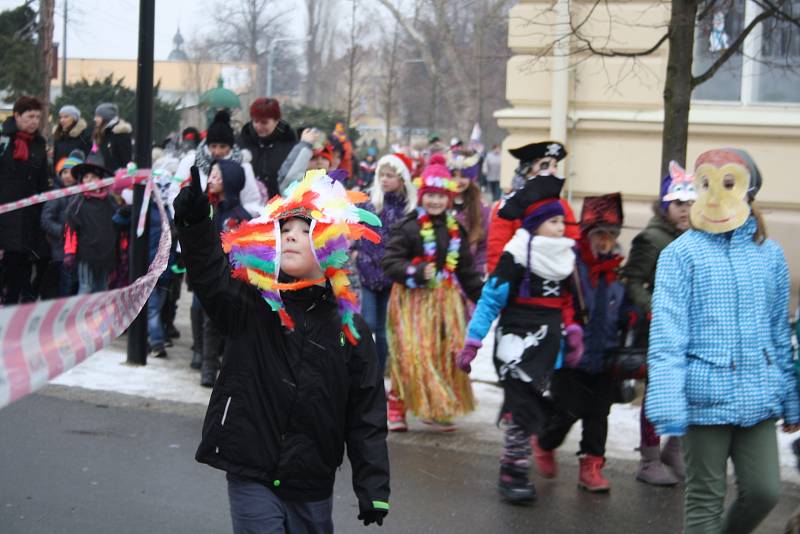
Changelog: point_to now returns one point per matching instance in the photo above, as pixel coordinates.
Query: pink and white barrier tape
(41, 340)
(122, 178)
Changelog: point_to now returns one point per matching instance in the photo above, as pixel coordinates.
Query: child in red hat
(428, 258)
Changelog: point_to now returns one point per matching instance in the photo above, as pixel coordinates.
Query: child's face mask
(722, 203)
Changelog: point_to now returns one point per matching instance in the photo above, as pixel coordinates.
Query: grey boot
(652, 471)
(672, 456)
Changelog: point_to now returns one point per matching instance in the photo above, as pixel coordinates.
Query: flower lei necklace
(445, 276)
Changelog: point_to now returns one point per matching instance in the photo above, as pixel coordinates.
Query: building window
(769, 69)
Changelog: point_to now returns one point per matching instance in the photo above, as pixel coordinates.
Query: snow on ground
(173, 380)
(168, 379)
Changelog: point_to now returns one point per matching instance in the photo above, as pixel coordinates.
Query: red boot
(396, 413)
(545, 460)
(591, 477)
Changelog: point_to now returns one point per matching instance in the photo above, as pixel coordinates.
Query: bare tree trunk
(46, 13)
(351, 66)
(390, 83)
(311, 46)
(678, 85)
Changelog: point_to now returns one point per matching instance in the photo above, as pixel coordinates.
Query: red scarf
(597, 267)
(21, 142)
(97, 193)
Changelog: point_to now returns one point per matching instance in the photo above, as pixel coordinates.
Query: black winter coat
(405, 244)
(78, 137)
(287, 402)
(115, 145)
(92, 220)
(20, 229)
(54, 217)
(269, 152)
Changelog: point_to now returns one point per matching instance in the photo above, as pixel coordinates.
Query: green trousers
(754, 451)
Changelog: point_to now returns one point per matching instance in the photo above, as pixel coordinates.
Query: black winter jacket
(269, 152)
(287, 402)
(115, 145)
(20, 229)
(79, 137)
(54, 217)
(92, 221)
(405, 244)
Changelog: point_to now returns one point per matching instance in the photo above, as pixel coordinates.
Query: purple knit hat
(666, 181)
(535, 215)
(539, 212)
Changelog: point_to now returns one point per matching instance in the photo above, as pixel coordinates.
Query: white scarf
(551, 258)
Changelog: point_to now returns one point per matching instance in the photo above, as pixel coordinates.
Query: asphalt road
(124, 465)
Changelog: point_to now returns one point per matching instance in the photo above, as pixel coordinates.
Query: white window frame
(751, 48)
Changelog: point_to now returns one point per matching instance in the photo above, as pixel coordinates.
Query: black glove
(372, 516)
(191, 205)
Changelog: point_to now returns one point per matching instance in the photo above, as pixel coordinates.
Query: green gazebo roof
(220, 98)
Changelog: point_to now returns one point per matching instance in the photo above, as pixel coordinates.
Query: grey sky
(109, 28)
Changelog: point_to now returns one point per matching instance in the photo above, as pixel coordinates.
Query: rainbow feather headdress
(254, 248)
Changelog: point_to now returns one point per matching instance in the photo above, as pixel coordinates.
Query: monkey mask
(726, 181)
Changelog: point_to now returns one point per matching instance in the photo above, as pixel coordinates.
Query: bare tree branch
(620, 53)
(732, 49)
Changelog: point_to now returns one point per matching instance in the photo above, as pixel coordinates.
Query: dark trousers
(50, 285)
(373, 309)
(579, 395)
(17, 271)
(170, 307)
(255, 509)
(67, 281)
(196, 317)
(494, 190)
(213, 344)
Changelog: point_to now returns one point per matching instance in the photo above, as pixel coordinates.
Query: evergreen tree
(19, 54)
(87, 95)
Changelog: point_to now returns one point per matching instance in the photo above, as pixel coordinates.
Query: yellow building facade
(186, 80)
(609, 110)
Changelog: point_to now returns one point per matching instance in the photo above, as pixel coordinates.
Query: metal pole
(64, 61)
(137, 333)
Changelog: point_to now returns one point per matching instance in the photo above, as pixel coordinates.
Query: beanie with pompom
(220, 130)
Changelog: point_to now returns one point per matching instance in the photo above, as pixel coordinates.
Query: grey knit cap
(70, 110)
(107, 111)
(755, 174)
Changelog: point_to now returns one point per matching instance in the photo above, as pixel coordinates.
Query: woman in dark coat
(71, 133)
(23, 172)
(112, 137)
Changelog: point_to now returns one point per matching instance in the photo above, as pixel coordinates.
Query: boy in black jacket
(296, 385)
(90, 217)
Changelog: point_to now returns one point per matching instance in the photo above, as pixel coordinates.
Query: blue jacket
(720, 343)
(606, 311)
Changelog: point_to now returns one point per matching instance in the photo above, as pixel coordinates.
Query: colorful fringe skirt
(425, 330)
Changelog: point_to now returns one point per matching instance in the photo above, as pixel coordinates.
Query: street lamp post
(137, 332)
(271, 56)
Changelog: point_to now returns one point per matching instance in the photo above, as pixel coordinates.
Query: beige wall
(614, 117)
(177, 76)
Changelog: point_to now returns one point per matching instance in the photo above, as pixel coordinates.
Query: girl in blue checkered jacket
(720, 354)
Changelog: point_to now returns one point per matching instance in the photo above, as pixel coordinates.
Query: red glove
(467, 354)
(574, 336)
